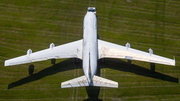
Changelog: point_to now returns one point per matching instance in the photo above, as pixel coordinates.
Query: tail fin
(82, 81)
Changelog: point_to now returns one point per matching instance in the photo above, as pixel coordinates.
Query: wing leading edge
(111, 50)
(69, 50)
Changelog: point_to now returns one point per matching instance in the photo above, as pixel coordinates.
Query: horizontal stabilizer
(102, 82)
(77, 82)
(82, 81)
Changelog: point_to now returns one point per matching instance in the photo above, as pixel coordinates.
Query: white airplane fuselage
(90, 46)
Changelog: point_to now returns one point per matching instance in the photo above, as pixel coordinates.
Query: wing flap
(69, 50)
(111, 50)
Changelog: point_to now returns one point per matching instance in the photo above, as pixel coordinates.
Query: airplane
(90, 49)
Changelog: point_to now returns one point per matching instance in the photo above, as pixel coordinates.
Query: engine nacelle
(29, 52)
(52, 46)
(150, 51)
(128, 45)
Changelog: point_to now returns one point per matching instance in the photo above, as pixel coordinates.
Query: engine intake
(29, 52)
(52, 46)
(128, 45)
(150, 51)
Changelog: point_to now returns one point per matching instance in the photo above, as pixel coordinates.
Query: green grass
(35, 24)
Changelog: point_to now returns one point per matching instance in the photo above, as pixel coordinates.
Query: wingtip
(5, 63)
(174, 61)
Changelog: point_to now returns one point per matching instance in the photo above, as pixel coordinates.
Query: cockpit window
(91, 10)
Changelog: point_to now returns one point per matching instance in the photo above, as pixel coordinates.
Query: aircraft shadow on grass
(93, 92)
(56, 68)
(128, 67)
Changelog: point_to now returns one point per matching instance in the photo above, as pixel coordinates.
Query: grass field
(35, 24)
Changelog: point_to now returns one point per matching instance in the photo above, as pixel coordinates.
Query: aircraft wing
(69, 50)
(111, 50)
